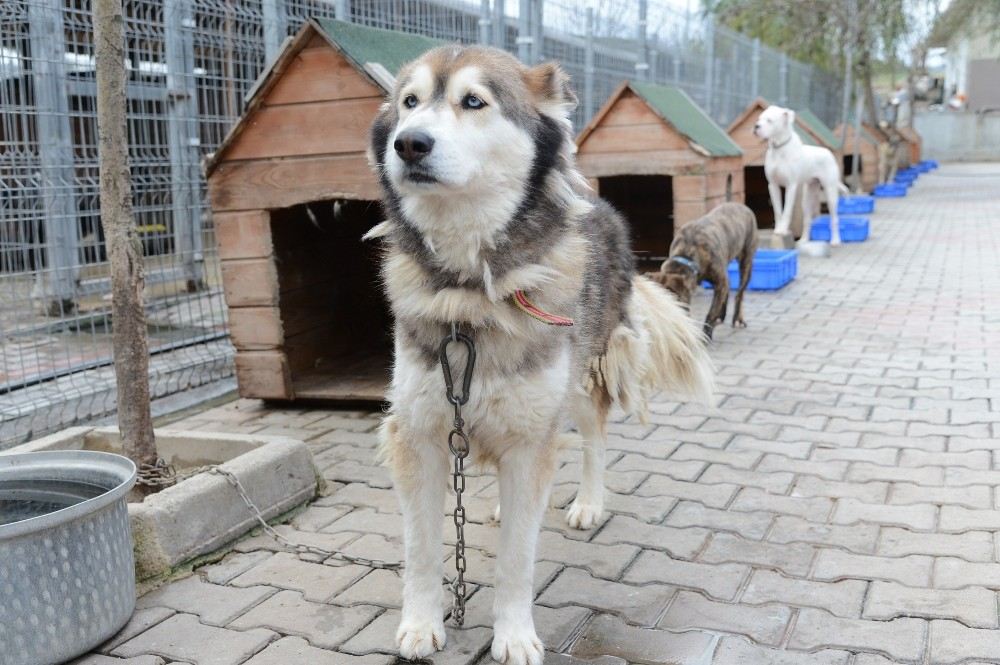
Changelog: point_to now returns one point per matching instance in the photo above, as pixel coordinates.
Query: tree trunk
(131, 348)
(871, 110)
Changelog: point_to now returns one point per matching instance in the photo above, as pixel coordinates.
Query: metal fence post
(709, 65)
(499, 24)
(588, 67)
(485, 31)
(275, 26)
(642, 62)
(56, 283)
(783, 80)
(755, 70)
(538, 31)
(342, 10)
(183, 139)
(524, 37)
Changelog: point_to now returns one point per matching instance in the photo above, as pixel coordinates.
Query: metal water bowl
(67, 579)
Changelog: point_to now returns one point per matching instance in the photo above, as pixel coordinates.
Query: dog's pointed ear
(789, 118)
(550, 88)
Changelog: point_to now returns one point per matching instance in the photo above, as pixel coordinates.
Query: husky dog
(485, 209)
(791, 164)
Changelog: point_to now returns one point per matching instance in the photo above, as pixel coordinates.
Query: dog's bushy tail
(660, 348)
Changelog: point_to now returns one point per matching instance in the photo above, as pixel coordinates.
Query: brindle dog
(702, 250)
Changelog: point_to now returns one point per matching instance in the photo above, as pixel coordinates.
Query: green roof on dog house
(660, 160)
(291, 194)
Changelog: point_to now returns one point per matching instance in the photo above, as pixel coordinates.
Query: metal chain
(458, 443)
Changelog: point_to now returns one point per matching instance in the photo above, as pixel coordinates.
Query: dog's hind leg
(419, 471)
(590, 415)
(832, 191)
(746, 271)
(525, 473)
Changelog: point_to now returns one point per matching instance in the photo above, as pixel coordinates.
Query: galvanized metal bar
(342, 10)
(56, 282)
(588, 66)
(537, 30)
(642, 47)
(275, 26)
(499, 24)
(524, 34)
(709, 64)
(755, 70)
(183, 139)
(485, 23)
(783, 80)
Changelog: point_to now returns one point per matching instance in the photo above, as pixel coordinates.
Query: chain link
(458, 444)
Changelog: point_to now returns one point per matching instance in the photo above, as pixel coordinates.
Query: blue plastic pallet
(772, 269)
(890, 190)
(861, 204)
(852, 229)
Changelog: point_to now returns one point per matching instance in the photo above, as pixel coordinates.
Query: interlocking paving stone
(296, 651)
(182, 637)
(859, 538)
(713, 496)
(214, 604)
(870, 492)
(141, 620)
(900, 638)
(739, 651)
(719, 581)
(553, 625)
(793, 559)
(689, 610)
(913, 570)
(973, 606)
(316, 581)
(679, 543)
(610, 636)
(753, 499)
(637, 604)
(955, 573)
(951, 642)
(844, 598)
(971, 545)
(288, 613)
(97, 659)
(690, 514)
(915, 516)
(971, 496)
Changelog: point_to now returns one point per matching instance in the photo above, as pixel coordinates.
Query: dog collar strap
(779, 146)
(686, 262)
(529, 308)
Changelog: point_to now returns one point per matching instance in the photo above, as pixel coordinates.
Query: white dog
(791, 164)
(474, 153)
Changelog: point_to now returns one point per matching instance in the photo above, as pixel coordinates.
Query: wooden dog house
(916, 144)
(291, 194)
(868, 154)
(808, 127)
(660, 160)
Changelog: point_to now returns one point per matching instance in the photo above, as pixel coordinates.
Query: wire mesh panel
(191, 64)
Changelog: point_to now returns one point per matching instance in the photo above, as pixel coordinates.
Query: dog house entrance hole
(334, 316)
(757, 197)
(647, 203)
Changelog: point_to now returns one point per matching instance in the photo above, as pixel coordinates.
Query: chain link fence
(190, 64)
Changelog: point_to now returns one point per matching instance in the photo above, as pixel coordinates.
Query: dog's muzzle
(413, 145)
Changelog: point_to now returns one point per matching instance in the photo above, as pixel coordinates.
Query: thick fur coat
(474, 154)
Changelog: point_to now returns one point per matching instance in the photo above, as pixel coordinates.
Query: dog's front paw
(420, 638)
(739, 323)
(517, 645)
(584, 515)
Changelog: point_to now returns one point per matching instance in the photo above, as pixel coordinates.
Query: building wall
(966, 136)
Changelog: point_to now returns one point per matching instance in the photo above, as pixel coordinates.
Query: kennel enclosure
(660, 160)
(291, 194)
(867, 144)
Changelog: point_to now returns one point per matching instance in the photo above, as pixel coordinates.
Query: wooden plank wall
(305, 142)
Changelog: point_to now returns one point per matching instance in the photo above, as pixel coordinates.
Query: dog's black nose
(413, 145)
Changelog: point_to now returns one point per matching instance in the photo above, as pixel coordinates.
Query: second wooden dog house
(292, 194)
(867, 145)
(915, 143)
(808, 127)
(660, 160)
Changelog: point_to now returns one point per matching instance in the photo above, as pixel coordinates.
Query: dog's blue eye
(472, 102)
(410, 101)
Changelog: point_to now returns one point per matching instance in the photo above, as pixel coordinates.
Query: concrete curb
(203, 513)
